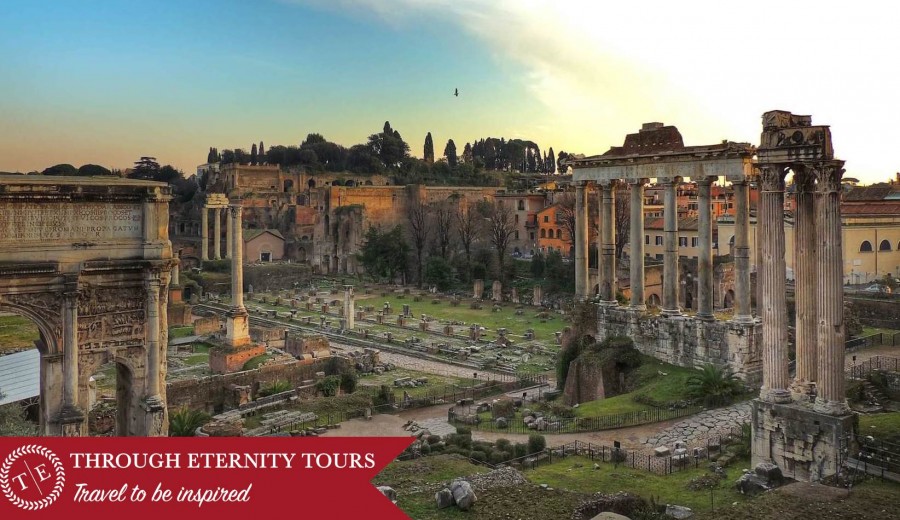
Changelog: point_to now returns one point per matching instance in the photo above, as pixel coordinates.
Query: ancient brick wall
(225, 361)
(300, 345)
(207, 325)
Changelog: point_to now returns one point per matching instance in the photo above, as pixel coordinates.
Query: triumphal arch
(89, 261)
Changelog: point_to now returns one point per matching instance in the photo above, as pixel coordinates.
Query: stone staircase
(874, 393)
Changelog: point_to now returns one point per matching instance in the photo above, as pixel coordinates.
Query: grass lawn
(651, 383)
(882, 426)
(181, 332)
(251, 363)
(17, 332)
(436, 383)
(578, 474)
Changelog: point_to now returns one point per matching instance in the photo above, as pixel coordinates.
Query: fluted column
(237, 259)
(176, 270)
(670, 256)
(349, 307)
(204, 234)
(229, 245)
(581, 242)
(742, 311)
(805, 283)
(772, 270)
(704, 256)
(152, 285)
(70, 349)
(830, 397)
(217, 233)
(607, 252)
(637, 244)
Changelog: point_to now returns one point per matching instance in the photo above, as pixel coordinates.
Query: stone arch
(728, 300)
(653, 300)
(288, 185)
(884, 246)
(311, 184)
(865, 247)
(543, 233)
(350, 183)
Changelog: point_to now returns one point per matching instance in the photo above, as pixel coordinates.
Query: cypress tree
(429, 149)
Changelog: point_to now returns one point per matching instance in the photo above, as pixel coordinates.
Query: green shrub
(276, 387)
(329, 386)
(349, 380)
(385, 395)
(536, 443)
(425, 448)
(433, 439)
(520, 449)
(464, 430)
(480, 456)
(503, 444)
(714, 385)
(184, 422)
(500, 456)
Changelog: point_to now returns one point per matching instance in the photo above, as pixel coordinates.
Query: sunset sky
(108, 81)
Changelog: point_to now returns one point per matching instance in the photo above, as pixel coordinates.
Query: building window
(546, 218)
(543, 233)
(682, 242)
(659, 240)
(517, 234)
(884, 246)
(517, 218)
(693, 241)
(865, 247)
(532, 237)
(558, 233)
(265, 256)
(647, 239)
(521, 205)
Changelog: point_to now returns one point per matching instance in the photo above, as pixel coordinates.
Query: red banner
(172, 478)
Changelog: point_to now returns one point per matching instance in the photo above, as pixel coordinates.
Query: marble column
(742, 311)
(70, 350)
(581, 242)
(176, 270)
(237, 258)
(607, 251)
(217, 233)
(773, 303)
(704, 256)
(805, 283)
(830, 398)
(204, 234)
(229, 245)
(153, 287)
(670, 255)
(349, 310)
(637, 244)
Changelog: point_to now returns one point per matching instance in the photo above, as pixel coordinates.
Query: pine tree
(429, 149)
(467, 154)
(450, 153)
(253, 155)
(262, 153)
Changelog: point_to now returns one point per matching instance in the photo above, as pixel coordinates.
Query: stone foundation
(179, 314)
(225, 360)
(316, 346)
(207, 325)
(688, 342)
(806, 445)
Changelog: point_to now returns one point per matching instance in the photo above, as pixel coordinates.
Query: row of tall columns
(217, 234)
(582, 280)
(741, 252)
(818, 287)
(607, 257)
(772, 271)
(805, 281)
(670, 305)
(637, 244)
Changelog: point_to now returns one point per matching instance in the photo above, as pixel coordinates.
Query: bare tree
(501, 229)
(566, 215)
(417, 214)
(442, 214)
(468, 228)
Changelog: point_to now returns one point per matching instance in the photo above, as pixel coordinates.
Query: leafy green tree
(388, 146)
(467, 154)
(61, 169)
(329, 385)
(551, 161)
(429, 149)
(537, 265)
(439, 272)
(89, 170)
(145, 168)
(184, 422)
(384, 254)
(536, 443)
(715, 385)
(253, 154)
(227, 156)
(261, 153)
(450, 153)
(349, 380)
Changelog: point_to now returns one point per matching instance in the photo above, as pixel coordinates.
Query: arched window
(884, 246)
(558, 233)
(521, 205)
(865, 247)
(543, 233)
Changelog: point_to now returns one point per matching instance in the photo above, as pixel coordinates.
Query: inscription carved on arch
(111, 317)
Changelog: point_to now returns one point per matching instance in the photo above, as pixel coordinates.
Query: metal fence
(877, 458)
(874, 364)
(881, 338)
(575, 424)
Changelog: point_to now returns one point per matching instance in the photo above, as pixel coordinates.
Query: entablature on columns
(734, 163)
(216, 200)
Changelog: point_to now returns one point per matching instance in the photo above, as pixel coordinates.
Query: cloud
(603, 68)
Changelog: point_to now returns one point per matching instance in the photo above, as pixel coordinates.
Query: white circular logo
(32, 477)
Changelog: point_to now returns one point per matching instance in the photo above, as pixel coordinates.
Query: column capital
(771, 177)
(828, 174)
(804, 178)
(669, 181)
(637, 182)
(704, 180)
(611, 184)
(743, 181)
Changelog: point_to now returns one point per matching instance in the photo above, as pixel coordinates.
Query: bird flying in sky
(456, 92)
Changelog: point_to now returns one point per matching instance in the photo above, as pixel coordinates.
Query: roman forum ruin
(802, 425)
(89, 261)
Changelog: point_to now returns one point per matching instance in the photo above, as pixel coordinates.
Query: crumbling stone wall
(214, 394)
(316, 346)
(207, 325)
(584, 382)
(224, 360)
(689, 342)
(273, 336)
